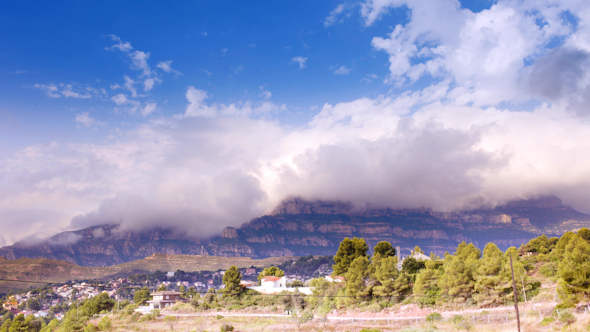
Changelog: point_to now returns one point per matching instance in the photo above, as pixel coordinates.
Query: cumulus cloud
(485, 55)
(300, 60)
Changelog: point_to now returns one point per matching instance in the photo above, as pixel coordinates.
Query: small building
(165, 299)
(41, 314)
(273, 282)
(250, 271)
(335, 279)
(170, 274)
(420, 256)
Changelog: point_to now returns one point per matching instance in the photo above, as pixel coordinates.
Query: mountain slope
(299, 228)
(57, 271)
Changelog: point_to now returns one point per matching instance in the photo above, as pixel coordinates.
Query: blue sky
(229, 48)
(211, 112)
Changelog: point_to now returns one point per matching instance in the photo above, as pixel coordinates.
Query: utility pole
(515, 296)
(523, 289)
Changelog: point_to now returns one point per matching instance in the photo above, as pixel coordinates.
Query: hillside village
(54, 300)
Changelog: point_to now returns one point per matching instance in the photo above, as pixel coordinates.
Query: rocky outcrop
(230, 233)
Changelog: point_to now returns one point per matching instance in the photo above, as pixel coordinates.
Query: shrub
(306, 316)
(226, 328)
(104, 324)
(547, 320)
(90, 328)
(370, 330)
(219, 317)
(435, 316)
(567, 317)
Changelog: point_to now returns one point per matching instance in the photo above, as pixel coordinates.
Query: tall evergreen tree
(271, 271)
(458, 281)
(574, 270)
(488, 279)
(231, 280)
(348, 251)
(385, 274)
(584, 233)
(141, 296)
(426, 286)
(385, 249)
(356, 277)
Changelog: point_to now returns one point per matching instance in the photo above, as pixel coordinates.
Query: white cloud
(457, 143)
(115, 86)
(148, 109)
(67, 92)
(300, 60)
(148, 84)
(343, 70)
(130, 86)
(70, 91)
(339, 14)
(198, 107)
(50, 90)
(130, 106)
(139, 62)
(19, 72)
(485, 54)
(264, 93)
(85, 120)
(121, 45)
(165, 66)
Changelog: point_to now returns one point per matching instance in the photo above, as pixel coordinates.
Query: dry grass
(247, 324)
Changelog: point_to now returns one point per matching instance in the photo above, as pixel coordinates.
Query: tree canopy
(348, 251)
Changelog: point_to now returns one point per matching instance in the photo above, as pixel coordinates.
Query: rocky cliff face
(297, 228)
(105, 245)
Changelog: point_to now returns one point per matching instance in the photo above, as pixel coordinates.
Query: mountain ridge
(299, 228)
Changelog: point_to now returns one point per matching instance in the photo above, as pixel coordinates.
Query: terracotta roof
(270, 278)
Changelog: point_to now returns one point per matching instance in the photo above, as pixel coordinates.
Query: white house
(270, 285)
(273, 282)
(170, 274)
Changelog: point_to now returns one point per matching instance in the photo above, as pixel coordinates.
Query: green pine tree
(574, 270)
(271, 271)
(348, 251)
(426, 286)
(385, 249)
(141, 296)
(385, 274)
(356, 277)
(488, 279)
(458, 281)
(231, 280)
